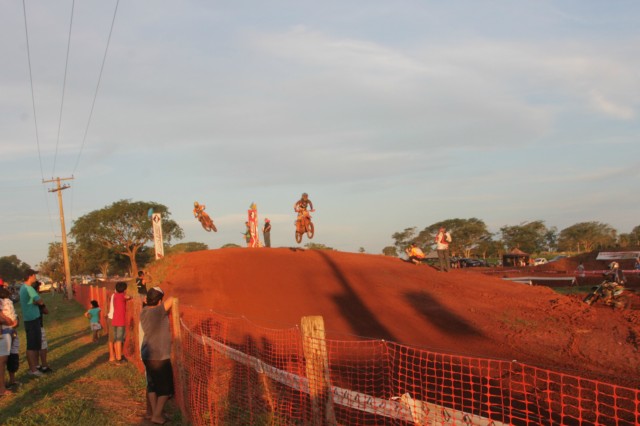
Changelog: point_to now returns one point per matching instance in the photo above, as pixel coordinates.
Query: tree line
(471, 237)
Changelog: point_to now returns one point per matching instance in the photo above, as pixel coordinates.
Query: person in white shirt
(442, 240)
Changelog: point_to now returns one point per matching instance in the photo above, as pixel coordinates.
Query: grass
(573, 290)
(84, 388)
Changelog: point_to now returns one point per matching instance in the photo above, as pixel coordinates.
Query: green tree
(124, 227)
(586, 236)
(361, 250)
(531, 237)
(632, 239)
(390, 251)
(404, 238)
(317, 246)
(466, 234)
(188, 247)
(53, 265)
(12, 269)
(231, 245)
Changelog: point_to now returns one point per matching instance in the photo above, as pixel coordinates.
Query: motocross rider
(301, 206)
(615, 279)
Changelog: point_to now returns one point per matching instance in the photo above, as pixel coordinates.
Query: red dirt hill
(461, 312)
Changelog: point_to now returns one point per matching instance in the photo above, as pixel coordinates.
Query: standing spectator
(442, 240)
(119, 320)
(579, 273)
(43, 365)
(247, 234)
(266, 231)
(156, 352)
(29, 301)
(141, 283)
(94, 319)
(111, 331)
(9, 320)
(636, 266)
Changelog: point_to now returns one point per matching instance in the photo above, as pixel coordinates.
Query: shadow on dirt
(362, 320)
(431, 310)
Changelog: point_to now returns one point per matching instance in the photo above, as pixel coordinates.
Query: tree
(531, 237)
(231, 245)
(632, 239)
(317, 246)
(390, 251)
(361, 250)
(586, 236)
(53, 265)
(467, 234)
(188, 247)
(124, 227)
(404, 238)
(12, 269)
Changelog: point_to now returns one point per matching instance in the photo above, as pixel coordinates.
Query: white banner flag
(157, 235)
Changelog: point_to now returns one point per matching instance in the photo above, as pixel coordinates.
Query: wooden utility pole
(65, 252)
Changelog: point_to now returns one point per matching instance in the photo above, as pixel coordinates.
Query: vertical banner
(157, 235)
(253, 226)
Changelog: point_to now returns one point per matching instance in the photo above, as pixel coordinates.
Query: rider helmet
(614, 265)
(267, 220)
(305, 195)
(195, 204)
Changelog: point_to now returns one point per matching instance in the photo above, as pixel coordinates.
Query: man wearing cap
(29, 301)
(156, 352)
(266, 231)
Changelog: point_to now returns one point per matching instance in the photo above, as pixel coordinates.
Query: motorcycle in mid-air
(206, 222)
(610, 293)
(304, 225)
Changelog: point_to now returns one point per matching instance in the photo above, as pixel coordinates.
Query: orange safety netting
(231, 371)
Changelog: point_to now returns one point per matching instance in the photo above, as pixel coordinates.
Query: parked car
(539, 261)
(558, 257)
(466, 262)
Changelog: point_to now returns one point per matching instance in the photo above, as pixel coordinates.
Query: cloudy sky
(389, 114)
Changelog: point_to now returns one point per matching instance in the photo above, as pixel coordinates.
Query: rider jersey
(302, 204)
(199, 209)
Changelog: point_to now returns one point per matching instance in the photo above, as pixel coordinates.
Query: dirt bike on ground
(304, 226)
(206, 222)
(609, 293)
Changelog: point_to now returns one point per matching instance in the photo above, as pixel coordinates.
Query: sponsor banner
(618, 255)
(254, 238)
(156, 220)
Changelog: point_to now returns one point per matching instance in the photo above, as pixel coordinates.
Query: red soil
(462, 312)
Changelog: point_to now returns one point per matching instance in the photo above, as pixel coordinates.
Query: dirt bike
(304, 226)
(610, 293)
(206, 222)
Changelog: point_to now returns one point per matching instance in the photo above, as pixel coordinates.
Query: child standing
(13, 362)
(94, 319)
(119, 319)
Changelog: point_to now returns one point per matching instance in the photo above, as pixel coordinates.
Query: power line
(33, 99)
(64, 86)
(104, 59)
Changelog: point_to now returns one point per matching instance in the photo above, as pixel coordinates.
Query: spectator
(141, 283)
(94, 319)
(156, 352)
(416, 255)
(266, 231)
(636, 266)
(119, 319)
(13, 363)
(442, 240)
(247, 234)
(43, 365)
(9, 320)
(29, 301)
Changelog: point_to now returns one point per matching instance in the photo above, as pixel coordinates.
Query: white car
(539, 261)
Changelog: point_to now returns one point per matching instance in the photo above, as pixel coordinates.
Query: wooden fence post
(177, 356)
(317, 369)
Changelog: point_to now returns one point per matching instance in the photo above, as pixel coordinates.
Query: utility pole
(65, 252)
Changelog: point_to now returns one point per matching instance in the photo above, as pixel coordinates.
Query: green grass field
(84, 388)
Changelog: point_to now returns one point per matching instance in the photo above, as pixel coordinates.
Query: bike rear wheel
(298, 237)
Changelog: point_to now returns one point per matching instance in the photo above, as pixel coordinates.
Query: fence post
(177, 356)
(317, 370)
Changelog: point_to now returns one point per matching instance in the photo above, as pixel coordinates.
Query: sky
(390, 114)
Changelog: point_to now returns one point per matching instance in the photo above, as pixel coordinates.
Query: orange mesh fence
(231, 371)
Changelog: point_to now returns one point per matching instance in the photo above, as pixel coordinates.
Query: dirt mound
(461, 312)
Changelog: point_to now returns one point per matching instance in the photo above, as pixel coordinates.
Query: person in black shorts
(156, 352)
(141, 283)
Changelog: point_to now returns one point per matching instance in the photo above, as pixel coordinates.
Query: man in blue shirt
(29, 301)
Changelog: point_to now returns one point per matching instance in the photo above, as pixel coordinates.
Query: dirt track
(462, 312)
